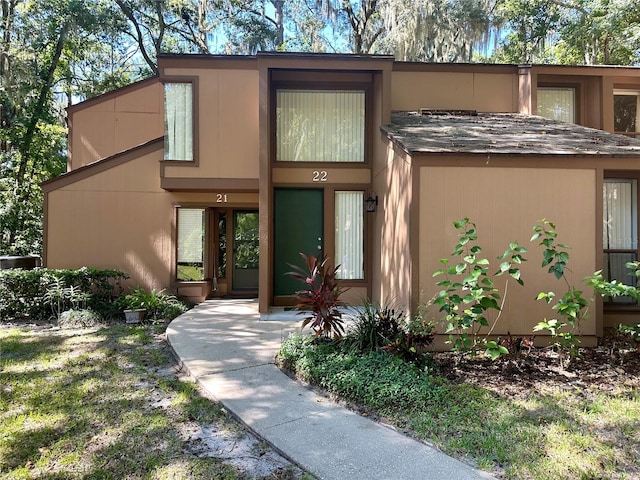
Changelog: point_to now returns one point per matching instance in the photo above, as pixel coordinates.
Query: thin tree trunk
(201, 37)
(139, 36)
(7, 10)
(161, 28)
(26, 142)
(278, 5)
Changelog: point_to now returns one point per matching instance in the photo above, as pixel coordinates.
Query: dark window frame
(610, 304)
(366, 87)
(195, 161)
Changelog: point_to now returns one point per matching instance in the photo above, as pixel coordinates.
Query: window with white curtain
(557, 103)
(349, 208)
(620, 231)
(178, 121)
(320, 125)
(626, 111)
(191, 229)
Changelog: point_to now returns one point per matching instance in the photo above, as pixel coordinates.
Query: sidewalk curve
(230, 352)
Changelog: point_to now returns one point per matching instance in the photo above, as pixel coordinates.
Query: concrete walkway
(230, 352)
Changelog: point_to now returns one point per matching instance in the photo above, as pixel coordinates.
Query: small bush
(374, 327)
(79, 318)
(382, 381)
(158, 304)
(44, 293)
(387, 328)
(632, 332)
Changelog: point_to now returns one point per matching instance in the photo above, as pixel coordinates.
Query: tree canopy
(54, 53)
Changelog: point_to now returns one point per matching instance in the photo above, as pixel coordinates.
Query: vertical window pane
(191, 244)
(625, 112)
(620, 235)
(178, 121)
(222, 245)
(245, 240)
(619, 212)
(557, 103)
(320, 126)
(350, 235)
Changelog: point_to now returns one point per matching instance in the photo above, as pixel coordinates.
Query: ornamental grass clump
(388, 328)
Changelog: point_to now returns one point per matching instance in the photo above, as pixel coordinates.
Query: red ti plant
(320, 300)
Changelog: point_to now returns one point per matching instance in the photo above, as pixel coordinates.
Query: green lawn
(568, 432)
(100, 403)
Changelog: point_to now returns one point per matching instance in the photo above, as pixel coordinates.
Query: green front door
(298, 229)
(245, 251)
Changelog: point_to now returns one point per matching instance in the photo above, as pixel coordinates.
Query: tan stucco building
(210, 178)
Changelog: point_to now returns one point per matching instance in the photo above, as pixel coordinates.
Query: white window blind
(349, 208)
(620, 217)
(191, 241)
(178, 121)
(320, 125)
(557, 103)
(620, 234)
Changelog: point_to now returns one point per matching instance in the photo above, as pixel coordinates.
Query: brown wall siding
(447, 90)
(227, 124)
(115, 124)
(526, 90)
(593, 116)
(392, 248)
(505, 204)
(119, 218)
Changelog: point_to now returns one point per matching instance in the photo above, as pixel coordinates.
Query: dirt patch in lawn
(228, 441)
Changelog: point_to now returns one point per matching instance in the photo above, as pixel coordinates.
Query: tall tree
(148, 27)
(438, 30)
(44, 44)
(199, 21)
(30, 51)
(310, 25)
(600, 32)
(255, 25)
(570, 31)
(364, 23)
(355, 25)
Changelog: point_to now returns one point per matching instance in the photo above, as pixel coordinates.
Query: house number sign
(222, 198)
(319, 176)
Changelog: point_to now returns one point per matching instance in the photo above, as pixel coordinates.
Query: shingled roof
(461, 132)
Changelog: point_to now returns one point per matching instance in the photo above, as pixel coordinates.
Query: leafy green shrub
(22, 295)
(572, 306)
(39, 293)
(293, 348)
(320, 301)
(632, 332)
(469, 292)
(158, 304)
(615, 288)
(382, 381)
